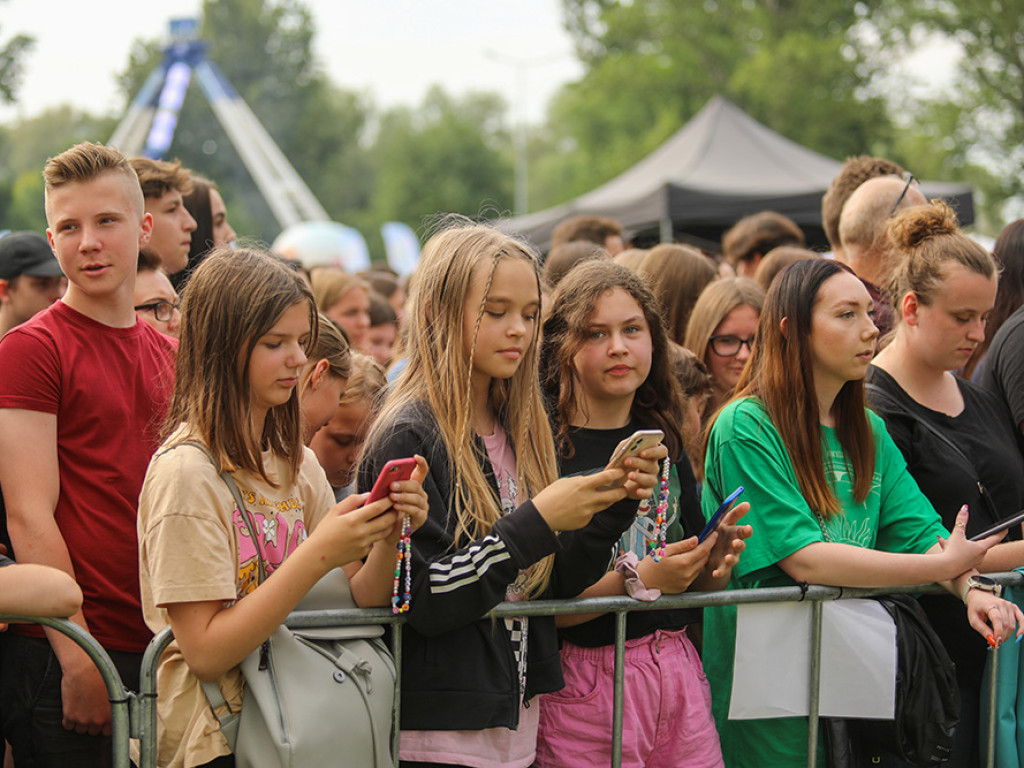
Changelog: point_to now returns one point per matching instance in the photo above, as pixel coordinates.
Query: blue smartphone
(719, 516)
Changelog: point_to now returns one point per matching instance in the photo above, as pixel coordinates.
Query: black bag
(927, 701)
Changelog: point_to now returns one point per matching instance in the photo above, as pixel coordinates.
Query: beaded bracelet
(404, 553)
(657, 544)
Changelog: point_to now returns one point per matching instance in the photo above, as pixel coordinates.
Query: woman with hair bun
(958, 439)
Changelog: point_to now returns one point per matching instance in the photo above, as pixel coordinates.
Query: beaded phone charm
(656, 545)
(404, 553)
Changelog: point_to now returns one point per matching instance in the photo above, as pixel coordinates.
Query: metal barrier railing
(123, 703)
(135, 716)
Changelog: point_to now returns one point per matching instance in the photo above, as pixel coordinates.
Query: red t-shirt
(109, 388)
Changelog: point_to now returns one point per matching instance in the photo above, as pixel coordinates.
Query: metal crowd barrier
(134, 714)
(123, 703)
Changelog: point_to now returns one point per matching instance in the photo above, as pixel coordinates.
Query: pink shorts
(666, 710)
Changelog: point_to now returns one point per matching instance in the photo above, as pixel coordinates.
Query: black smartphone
(1002, 525)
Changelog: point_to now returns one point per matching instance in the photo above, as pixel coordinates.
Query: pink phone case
(394, 471)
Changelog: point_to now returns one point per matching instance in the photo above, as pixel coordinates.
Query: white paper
(771, 676)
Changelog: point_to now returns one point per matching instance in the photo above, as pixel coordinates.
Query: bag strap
(886, 400)
(229, 719)
(250, 524)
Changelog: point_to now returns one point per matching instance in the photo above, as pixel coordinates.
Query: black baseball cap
(27, 253)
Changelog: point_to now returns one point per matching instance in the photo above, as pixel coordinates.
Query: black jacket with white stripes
(458, 665)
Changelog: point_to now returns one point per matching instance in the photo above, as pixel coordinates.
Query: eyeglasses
(910, 179)
(162, 310)
(729, 346)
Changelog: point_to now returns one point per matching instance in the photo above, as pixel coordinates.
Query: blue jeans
(32, 711)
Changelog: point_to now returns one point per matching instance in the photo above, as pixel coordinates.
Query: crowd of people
(150, 361)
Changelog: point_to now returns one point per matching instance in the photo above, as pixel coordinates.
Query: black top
(1003, 374)
(593, 448)
(459, 669)
(985, 436)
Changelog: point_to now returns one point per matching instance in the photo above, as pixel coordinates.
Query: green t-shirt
(746, 449)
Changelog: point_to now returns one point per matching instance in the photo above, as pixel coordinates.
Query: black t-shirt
(985, 435)
(593, 448)
(1003, 373)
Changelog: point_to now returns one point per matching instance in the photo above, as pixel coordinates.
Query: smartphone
(1002, 525)
(631, 446)
(719, 516)
(394, 471)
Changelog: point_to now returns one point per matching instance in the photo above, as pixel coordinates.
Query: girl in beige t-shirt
(247, 324)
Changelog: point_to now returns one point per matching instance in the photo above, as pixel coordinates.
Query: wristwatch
(985, 584)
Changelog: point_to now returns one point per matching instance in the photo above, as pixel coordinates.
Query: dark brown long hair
(780, 375)
(657, 402)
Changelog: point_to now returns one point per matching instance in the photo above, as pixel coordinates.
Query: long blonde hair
(439, 374)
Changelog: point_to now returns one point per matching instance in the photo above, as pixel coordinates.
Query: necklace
(656, 545)
(404, 553)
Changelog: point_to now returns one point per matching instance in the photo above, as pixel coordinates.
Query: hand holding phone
(719, 516)
(630, 448)
(1002, 525)
(394, 471)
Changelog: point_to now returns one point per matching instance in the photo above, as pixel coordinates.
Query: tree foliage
(24, 148)
(12, 62)
(449, 155)
(795, 65)
(365, 167)
(817, 71)
(978, 122)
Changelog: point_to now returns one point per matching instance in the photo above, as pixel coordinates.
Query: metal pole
(814, 693)
(619, 680)
(147, 695)
(396, 719)
(993, 715)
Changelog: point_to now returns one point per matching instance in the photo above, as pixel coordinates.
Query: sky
(393, 49)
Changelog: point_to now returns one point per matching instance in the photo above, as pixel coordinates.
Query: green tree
(25, 210)
(12, 60)
(24, 147)
(449, 155)
(795, 65)
(974, 130)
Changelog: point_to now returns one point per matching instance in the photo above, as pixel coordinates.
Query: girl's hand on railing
(992, 617)
(644, 472)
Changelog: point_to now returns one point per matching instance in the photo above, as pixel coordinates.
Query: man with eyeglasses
(862, 231)
(30, 278)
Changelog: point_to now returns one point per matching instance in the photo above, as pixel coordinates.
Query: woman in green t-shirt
(830, 496)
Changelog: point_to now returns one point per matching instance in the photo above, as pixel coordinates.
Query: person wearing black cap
(30, 278)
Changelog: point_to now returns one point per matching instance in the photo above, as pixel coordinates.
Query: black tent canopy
(716, 169)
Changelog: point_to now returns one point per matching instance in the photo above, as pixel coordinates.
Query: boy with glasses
(156, 303)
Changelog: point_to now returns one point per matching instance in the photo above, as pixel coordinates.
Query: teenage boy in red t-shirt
(83, 388)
